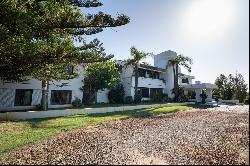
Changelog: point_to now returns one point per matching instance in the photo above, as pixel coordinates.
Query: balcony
(149, 82)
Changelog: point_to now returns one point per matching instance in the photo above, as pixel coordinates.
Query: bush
(128, 100)
(160, 98)
(216, 98)
(180, 96)
(77, 103)
(203, 97)
(191, 94)
(183, 98)
(156, 98)
(165, 98)
(116, 94)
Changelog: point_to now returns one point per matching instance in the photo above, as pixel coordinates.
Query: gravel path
(192, 137)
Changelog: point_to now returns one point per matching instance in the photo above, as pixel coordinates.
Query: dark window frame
(55, 100)
(144, 92)
(185, 81)
(20, 97)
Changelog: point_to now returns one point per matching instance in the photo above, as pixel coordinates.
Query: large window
(142, 72)
(61, 97)
(156, 91)
(144, 92)
(23, 97)
(185, 80)
(148, 73)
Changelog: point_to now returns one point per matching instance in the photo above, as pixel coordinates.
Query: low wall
(229, 101)
(70, 112)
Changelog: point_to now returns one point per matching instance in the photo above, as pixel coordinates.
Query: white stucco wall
(126, 79)
(102, 96)
(161, 61)
(7, 91)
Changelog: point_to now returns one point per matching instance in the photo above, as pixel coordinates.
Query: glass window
(23, 97)
(155, 91)
(61, 97)
(142, 73)
(70, 70)
(144, 92)
(185, 80)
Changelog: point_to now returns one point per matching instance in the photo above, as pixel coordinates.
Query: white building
(152, 79)
(27, 95)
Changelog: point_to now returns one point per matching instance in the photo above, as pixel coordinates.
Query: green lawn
(20, 133)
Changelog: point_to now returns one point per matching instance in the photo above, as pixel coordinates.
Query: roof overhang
(152, 68)
(185, 76)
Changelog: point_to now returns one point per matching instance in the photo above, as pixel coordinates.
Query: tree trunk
(176, 81)
(136, 80)
(45, 91)
(174, 71)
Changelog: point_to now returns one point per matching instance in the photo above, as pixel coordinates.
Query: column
(198, 93)
(209, 95)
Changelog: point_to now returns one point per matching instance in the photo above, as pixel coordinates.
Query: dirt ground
(205, 136)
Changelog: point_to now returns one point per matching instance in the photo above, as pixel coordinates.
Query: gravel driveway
(194, 137)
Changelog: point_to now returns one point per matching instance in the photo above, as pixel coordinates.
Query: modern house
(152, 80)
(27, 95)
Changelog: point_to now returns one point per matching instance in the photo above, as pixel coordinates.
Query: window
(61, 97)
(23, 97)
(144, 92)
(185, 80)
(70, 70)
(155, 91)
(156, 75)
(142, 72)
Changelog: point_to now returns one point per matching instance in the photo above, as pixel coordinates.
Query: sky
(214, 33)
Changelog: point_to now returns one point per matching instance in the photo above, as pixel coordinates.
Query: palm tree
(175, 62)
(135, 62)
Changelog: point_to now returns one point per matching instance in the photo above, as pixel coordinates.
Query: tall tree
(231, 87)
(99, 76)
(240, 88)
(175, 62)
(137, 56)
(42, 33)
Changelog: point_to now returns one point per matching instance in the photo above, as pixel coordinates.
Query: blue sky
(215, 33)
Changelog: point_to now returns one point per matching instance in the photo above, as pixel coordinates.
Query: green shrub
(165, 98)
(156, 98)
(180, 96)
(191, 94)
(183, 98)
(160, 98)
(128, 100)
(203, 97)
(116, 94)
(77, 103)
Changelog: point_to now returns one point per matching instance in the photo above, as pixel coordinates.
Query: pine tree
(37, 38)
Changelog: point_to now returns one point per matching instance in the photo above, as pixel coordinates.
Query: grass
(15, 134)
